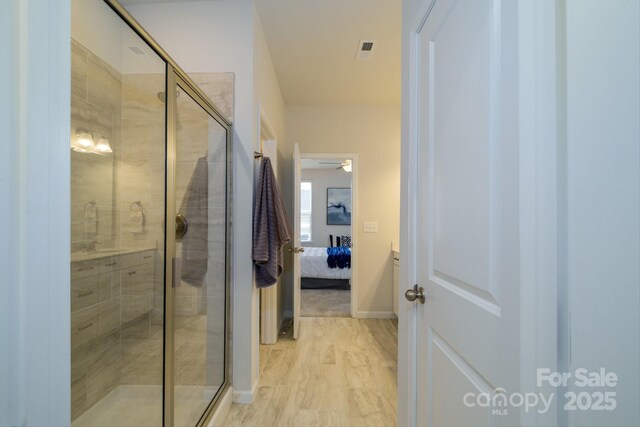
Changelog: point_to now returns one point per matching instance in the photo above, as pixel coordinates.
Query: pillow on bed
(345, 241)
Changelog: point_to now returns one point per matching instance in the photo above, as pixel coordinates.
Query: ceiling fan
(346, 164)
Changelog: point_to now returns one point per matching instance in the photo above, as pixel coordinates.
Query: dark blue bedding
(339, 257)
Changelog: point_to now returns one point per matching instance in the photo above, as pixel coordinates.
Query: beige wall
(373, 132)
(268, 99)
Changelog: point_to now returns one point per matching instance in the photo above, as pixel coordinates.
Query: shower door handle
(182, 226)
(176, 268)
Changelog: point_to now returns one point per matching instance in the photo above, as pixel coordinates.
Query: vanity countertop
(105, 253)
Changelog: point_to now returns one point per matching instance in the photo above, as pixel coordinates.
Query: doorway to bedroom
(326, 206)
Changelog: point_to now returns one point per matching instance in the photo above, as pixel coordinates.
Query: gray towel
(194, 207)
(271, 229)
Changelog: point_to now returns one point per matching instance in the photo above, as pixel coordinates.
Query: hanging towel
(271, 229)
(194, 208)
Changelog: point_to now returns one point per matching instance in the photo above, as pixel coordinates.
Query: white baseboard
(217, 419)
(375, 315)
(245, 397)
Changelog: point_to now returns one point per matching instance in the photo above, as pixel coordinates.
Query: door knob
(416, 293)
(295, 250)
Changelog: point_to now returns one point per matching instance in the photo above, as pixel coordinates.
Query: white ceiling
(313, 45)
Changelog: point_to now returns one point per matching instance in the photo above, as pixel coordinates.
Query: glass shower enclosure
(150, 247)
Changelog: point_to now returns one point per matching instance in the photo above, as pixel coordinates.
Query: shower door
(149, 231)
(197, 257)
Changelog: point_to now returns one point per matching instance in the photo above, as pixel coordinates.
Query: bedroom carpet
(325, 303)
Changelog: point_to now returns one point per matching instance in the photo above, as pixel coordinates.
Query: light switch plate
(370, 227)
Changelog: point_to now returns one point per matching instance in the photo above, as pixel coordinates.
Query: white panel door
(297, 247)
(467, 212)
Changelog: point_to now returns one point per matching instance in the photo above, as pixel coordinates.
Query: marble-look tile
(219, 89)
(268, 406)
(142, 360)
(137, 328)
(105, 85)
(190, 350)
(103, 373)
(340, 371)
(279, 368)
(134, 306)
(235, 415)
(80, 114)
(78, 70)
(126, 406)
(140, 97)
(95, 107)
(192, 135)
(145, 139)
(313, 418)
(78, 390)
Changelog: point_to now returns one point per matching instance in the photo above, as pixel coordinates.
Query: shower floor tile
(141, 406)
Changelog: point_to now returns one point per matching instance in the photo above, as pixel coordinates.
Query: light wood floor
(340, 372)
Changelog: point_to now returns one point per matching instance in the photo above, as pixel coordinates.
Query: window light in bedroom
(305, 211)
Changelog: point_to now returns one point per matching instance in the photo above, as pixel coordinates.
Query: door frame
(354, 216)
(270, 318)
(539, 185)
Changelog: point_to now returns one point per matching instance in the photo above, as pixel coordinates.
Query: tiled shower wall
(96, 106)
(127, 111)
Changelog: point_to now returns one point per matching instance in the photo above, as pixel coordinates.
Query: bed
(315, 271)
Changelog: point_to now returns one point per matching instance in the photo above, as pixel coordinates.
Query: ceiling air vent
(365, 50)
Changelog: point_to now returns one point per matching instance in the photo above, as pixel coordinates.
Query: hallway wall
(603, 198)
(321, 180)
(374, 133)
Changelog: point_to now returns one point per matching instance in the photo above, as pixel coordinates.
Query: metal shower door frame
(177, 78)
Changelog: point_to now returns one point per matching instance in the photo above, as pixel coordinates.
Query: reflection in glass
(117, 231)
(199, 356)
